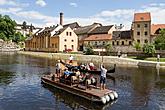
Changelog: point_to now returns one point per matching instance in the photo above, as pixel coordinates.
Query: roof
(98, 37)
(86, 29)
(29, 38)
(72, 25)
(101, 30)
(142, 17)
(155, 27)
(122, 35)
(60, 31)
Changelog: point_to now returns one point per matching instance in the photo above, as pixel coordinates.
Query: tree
(7, 26)
(18, 37)
(108, 48)
(89, 50)
(149, 49)
(137, 46)
(2, 36)
(160, 40)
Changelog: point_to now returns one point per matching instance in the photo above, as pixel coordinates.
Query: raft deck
(92, 93)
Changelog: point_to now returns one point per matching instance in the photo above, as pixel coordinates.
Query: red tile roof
(98, 37)
(142, 17)
(155, 27)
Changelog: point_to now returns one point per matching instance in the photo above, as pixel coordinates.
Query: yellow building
(141, 27)
(53, 39)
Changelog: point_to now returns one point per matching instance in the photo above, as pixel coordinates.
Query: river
(21, 89)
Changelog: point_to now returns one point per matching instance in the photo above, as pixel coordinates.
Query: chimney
(61, 18)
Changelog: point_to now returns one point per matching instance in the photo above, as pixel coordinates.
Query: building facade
(141, 27)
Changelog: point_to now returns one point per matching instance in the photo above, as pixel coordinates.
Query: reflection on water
(21, 88)
(75, 102)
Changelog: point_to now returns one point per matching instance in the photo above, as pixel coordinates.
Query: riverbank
(96, 58)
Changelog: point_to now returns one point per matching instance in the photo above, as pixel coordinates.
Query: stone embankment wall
(8, 46)
(96, 58)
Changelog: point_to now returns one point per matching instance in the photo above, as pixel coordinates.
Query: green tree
(18, 37)
(160, 40)
(149, 49)
(137, 46)
(89, 50)
(7, 26)
(2, 36)
(108, 48)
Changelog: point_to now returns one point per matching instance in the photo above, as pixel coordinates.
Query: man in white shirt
(103, 77)
(70, 59)
(58, 68)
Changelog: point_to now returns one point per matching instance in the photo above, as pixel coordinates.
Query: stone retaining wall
(96, 58)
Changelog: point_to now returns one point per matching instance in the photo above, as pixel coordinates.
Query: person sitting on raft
(76, 76)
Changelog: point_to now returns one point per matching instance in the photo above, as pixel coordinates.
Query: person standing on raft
(71, 59)
(103, 77)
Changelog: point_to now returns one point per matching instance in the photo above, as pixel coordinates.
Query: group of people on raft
(76, 77)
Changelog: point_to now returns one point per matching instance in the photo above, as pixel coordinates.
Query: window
(145, 33)
(138, 41)
(145, 25)
(65, 40)
(88, 42)
(138, 33)
(103, 43)
(130, 43)
(138, 25)
(117, 42)
(67, 33)
(72, 47)
(72, 40)
(95, 43)
(65, 47)
(52, 45)
(113, 43)
(122, 42)
(70, 33)
(146, 41)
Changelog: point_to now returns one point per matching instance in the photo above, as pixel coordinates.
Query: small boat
(93, 94)
(95, 71)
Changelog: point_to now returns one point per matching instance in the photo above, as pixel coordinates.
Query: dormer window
(142, 18)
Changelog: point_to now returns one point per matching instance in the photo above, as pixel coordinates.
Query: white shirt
(71, 58)
(103, 71)
(58, 66)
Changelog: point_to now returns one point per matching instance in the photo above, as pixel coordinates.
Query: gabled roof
(86, 29)
(122, 35)
(155, 27)
(72, 25)
(142, 17)
(60, 31)
(99, 37)
(49, 29)
(28, 38)
(101, 30)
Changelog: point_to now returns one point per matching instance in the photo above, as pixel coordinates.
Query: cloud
(7, 2)
(73, 4)
(41, 3)
(106, 17)
(13, 3)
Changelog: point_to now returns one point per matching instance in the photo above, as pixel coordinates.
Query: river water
(21, 88)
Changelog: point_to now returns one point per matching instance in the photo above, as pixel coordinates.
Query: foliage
(137, 46)
(108, 48)
(160, 40)
(18, 37)
(89, 50)
(7, 27)
(149, 49)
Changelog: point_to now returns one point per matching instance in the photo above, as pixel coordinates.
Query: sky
(43, 13)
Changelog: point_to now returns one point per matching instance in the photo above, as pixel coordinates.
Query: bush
(149, 49)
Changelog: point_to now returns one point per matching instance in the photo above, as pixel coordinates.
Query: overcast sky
(46, 12)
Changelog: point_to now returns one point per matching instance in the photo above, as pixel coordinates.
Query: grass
(147, 58)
